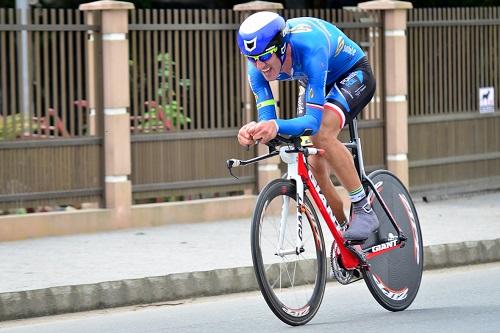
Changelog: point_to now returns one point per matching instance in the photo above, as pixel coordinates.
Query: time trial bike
(288, 249)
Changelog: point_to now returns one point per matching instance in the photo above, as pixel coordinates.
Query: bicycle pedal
(355, 280)
(356, 276)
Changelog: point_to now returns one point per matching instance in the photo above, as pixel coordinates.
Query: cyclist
(336, 82)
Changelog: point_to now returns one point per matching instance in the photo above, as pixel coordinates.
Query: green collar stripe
(266, 103)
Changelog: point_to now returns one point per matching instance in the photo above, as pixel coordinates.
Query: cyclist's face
(270, 68)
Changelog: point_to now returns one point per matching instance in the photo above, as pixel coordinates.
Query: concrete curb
(58, 300)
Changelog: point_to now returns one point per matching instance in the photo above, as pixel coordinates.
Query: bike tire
(394, 276)
(268, 267)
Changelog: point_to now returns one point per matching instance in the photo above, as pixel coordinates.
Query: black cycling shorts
(351, 92)
(348, 95)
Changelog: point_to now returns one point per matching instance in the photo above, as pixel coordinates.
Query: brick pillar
(396, 83)
(113, 17)
(267, 169)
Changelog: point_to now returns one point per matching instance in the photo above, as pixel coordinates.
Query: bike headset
(261, 35)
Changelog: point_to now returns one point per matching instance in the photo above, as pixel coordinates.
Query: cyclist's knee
(314, 161)
(325, 140)
(329, 130)
(318, 164)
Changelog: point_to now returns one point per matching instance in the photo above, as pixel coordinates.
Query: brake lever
(230, 163)
(247, 147)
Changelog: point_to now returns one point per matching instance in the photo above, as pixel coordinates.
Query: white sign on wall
(486, 99)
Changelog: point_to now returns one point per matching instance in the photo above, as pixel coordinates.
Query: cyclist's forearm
(298, 126)
(266, 110)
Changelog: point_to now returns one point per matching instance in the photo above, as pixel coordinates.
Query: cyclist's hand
(264, 131)
(244, 136)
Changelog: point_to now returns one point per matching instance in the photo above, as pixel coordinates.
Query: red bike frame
(349, 260)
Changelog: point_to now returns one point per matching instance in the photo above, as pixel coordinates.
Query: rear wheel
(292, 283)
(394, 276)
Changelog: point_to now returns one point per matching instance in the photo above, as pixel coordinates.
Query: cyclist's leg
(336, 154)
(364, 220)
(345, 100)
(321, 170)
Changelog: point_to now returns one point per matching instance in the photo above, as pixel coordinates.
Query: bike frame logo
(323, 200)
(297, 313)
(384, 246)
(299, 216)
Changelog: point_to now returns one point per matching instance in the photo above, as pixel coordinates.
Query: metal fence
(185, 70)
(186, 90)
(46, 154)
(187, 101)
(452, 52)
(43, 74)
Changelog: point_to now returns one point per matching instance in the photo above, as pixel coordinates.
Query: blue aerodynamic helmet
(260, 32)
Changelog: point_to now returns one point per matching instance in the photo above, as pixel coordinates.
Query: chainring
(341, 275)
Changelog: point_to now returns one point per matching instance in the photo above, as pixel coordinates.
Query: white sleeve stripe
(337, 110)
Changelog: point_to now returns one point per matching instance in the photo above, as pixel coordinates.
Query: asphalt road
(465, 299)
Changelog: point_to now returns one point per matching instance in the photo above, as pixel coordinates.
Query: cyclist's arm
(310, 122)
(266, 106)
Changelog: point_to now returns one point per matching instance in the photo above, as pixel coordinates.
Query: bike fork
(299, 247)
(284, 216)
(293, 174)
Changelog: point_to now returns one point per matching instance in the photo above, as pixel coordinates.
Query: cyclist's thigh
(351, 92)
(329, 129)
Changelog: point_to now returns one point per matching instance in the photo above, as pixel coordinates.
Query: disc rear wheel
(394, 276)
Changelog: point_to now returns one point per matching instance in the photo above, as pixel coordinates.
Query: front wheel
(394, 276)
(292, 281)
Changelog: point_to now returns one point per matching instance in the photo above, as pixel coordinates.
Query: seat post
(356, 148)
(353, 129)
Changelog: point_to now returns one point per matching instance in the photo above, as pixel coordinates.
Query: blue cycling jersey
(321, 53)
